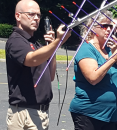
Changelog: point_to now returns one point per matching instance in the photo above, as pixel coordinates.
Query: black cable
(65, 90)
(48, 22)
(58, 89)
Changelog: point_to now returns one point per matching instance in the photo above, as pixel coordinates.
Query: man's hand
(60, 33)
(50, 36)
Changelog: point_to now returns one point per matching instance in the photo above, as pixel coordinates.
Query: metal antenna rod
(79, 21)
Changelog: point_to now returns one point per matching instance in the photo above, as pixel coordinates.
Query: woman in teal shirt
(94, 106)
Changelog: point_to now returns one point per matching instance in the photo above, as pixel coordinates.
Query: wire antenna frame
(76, 23)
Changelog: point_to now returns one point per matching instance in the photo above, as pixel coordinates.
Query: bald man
(25, 61)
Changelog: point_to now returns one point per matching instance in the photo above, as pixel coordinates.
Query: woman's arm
(89, 69)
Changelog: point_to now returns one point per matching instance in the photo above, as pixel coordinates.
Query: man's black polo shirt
(21, 79)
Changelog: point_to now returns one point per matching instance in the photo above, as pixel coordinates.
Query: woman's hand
(112, 43)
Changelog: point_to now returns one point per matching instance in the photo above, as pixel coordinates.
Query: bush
(114, 12)
(5, 30)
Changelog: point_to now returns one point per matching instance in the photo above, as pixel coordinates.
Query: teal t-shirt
(97, 101)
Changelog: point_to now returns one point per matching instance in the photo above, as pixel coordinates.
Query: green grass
(58, 57)
(2, 54)
(63, 57)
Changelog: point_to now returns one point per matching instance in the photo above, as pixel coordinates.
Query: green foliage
(62, 57)
(5, 30)
(114, 11)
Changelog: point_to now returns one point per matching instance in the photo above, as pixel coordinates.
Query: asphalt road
(2, 44)
(65, 122)
(65, 119)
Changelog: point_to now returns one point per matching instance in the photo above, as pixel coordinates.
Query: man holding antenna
(25, 61)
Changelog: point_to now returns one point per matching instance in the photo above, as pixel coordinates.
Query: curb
(3, 39)
(2, 60)
(63, 61)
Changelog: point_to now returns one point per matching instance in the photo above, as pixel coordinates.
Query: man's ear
(17, 16)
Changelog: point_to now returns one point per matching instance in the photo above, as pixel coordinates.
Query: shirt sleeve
(17, 48)
(86, 51)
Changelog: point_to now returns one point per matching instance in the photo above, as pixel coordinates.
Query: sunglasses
(105, 26)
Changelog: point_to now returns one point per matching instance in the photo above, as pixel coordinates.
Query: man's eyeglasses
(31, 15)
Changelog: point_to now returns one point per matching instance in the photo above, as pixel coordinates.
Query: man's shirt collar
(22, 32)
